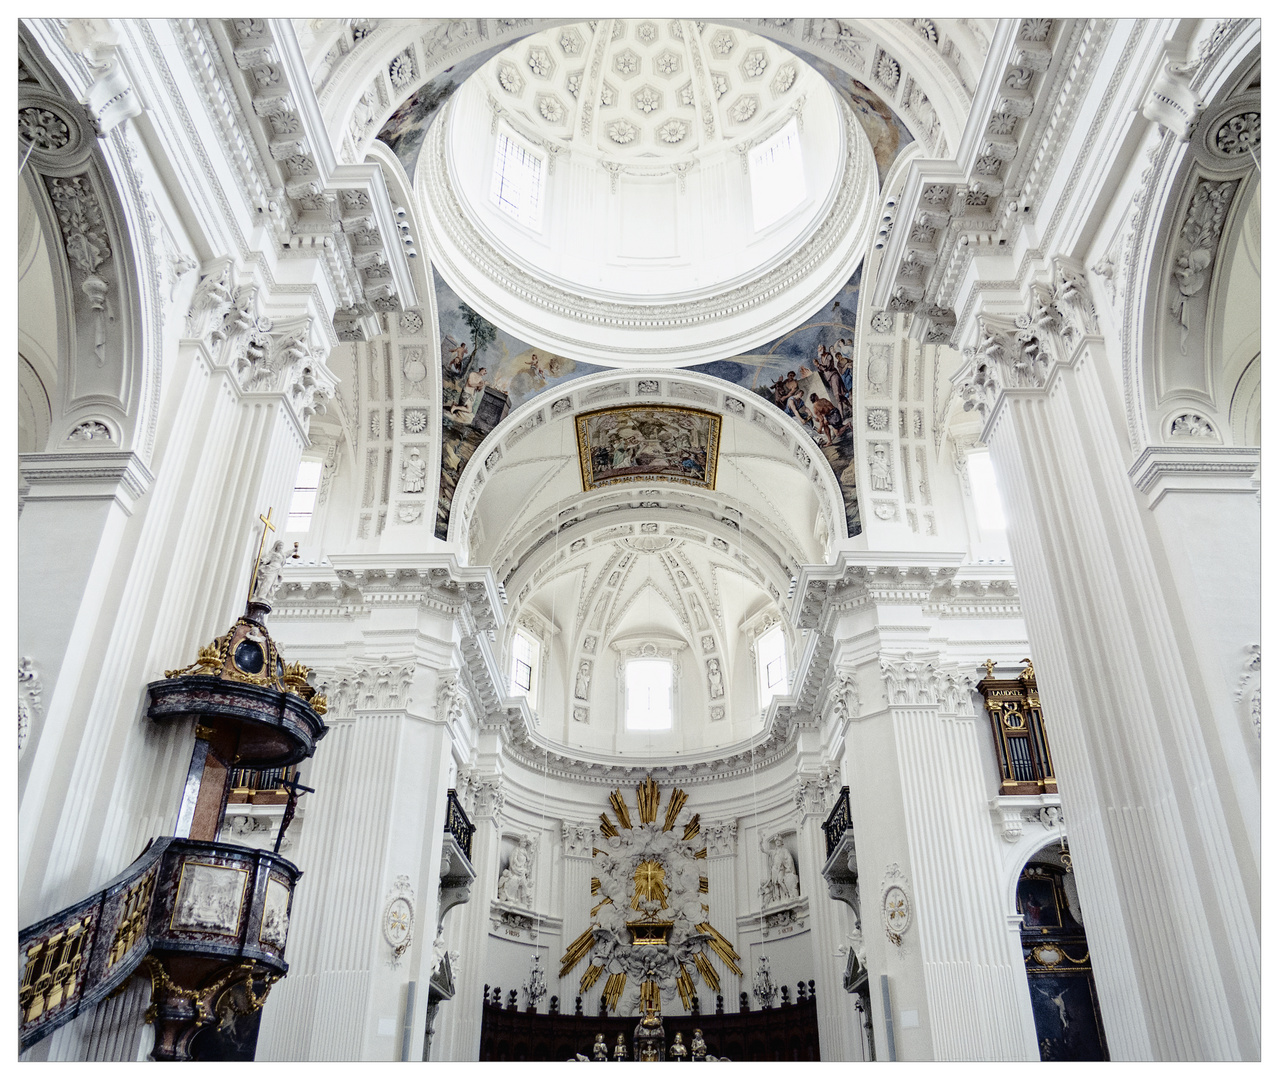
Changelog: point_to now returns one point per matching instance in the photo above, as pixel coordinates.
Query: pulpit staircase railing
(75, 958)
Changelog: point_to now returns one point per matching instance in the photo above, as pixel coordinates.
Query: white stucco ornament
(895, 904)
(397, 918)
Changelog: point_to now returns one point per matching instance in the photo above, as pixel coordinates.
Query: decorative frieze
(721, 839)
(577, 840)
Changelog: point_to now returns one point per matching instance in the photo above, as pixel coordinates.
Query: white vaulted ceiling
(697, 572)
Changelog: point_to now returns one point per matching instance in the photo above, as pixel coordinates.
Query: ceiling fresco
(642, 443)
(808, 373)
(486, 373)
(405, 129)
(888, 135)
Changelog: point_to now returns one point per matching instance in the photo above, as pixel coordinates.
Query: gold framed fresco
(646, 443)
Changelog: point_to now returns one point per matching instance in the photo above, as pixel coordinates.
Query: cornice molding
(119, 475)
(1163, 470)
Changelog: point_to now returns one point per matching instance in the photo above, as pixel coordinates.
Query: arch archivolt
(1190, 216)
(89, 204)
(538, 420)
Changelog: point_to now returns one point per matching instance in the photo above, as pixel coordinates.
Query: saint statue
(678, 1051)
(600, 1051)
(268, 578)
(619, 1051)
(413, 472)
(783, 881)
(515, 886)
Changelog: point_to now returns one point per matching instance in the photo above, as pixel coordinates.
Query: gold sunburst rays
(722, 946)
(590, 977)
(576, 951)
(650, 884)
(684, 984)
(595, 886)
(620, 808)
(607, 828)
(709, 975)
(693, 827)
(673, 807)
(647, 798)
(613, 988)
(703, 884)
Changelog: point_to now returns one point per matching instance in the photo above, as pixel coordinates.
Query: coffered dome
(673, 191)
(648, 90)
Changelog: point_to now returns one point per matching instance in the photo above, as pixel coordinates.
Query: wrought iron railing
(457, 824)
(838, 821)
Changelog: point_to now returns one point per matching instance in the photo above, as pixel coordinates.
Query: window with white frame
(981, 477)
(770, 660)
(305, 490)
(776, 169)
(518, 181)
(524, 653)
(650, 685)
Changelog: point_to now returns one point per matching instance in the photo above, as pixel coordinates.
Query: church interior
(639, 539)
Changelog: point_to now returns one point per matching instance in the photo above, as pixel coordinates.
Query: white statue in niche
(715, 677)
(413, 472)
(783, 881)
(515, 886)
(582, 689)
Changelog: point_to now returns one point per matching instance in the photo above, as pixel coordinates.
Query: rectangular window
(777, 176)
(981, 476)
(770, 656)
(524, 652)
(305, 490)
(517, 181)
(649, 686)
